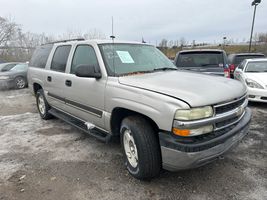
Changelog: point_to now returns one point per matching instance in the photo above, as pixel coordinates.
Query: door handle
(49, 78)
(68, 83)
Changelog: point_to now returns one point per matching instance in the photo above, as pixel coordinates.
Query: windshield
(20, 67)
(260, 66)
(123, 59)
(200, 59)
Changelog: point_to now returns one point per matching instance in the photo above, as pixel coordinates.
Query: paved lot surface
(51, 160)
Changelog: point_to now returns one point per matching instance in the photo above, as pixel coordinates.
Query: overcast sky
(200, 20)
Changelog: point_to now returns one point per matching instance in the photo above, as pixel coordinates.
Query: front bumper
(259, 95)
(6, 84)
(177, 156)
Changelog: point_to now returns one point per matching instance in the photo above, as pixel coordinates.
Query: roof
(246, 54)
(96, 41)
(201, 50)
(256, 59)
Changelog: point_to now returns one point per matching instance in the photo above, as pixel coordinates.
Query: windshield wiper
(208, 64)
(164, 69)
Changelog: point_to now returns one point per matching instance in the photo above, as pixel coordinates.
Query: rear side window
(84, 55)
(40, 56)
(60, 58)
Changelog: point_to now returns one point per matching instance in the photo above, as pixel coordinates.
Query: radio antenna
(112, 31)
(113, 53)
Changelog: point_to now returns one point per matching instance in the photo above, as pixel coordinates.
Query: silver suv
(164, 117)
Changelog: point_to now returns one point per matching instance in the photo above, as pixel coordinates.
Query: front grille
(219, 109)
(226, 122)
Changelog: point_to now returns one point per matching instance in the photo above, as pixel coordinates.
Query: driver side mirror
(87, 71)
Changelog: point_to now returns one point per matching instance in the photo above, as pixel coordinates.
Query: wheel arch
(119, 113)
(36, 87)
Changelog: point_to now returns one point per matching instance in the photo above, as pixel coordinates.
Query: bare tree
(7, 30)
(163, 43)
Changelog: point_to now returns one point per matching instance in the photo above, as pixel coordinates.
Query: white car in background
(253, 73)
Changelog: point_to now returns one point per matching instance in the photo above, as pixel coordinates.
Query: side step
(96, 132)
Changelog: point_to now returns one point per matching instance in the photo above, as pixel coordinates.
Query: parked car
(209, 61)
(164, 117)
(235, 59)
(13, 75)
(253, 73)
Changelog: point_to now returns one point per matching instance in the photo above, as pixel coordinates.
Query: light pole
(254, 3)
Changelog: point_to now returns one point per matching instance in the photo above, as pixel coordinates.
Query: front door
(85, 96)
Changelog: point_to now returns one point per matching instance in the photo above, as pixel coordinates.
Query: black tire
(43, 113)
(147, 145)
(20, 82)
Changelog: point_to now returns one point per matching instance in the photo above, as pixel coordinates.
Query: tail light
(226, 72)
(232, 67)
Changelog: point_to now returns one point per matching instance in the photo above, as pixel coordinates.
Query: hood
(7, 73)
(259, 77)
(194, 88)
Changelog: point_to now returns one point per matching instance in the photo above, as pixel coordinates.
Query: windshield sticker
(125, 57)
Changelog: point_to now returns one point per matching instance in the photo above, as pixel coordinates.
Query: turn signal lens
(193, 132)
(181, 132)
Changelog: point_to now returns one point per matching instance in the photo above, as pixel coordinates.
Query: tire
(42, 105)
(20, 82)
(138, 139)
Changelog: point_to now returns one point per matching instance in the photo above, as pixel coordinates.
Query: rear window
(40, 56)
(239, 59)
(200, 59)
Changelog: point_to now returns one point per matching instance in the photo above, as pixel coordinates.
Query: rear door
(55, 77)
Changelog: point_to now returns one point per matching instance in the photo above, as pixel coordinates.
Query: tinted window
(200, 59)
(60, 58)
(40, 56)
(239, 59)
(84, 55)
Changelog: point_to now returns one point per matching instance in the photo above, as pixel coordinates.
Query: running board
(82, 125)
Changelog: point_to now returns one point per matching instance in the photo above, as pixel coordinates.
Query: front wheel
(140, 147)
(20, 82)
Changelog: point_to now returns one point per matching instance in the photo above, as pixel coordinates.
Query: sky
(199, 20)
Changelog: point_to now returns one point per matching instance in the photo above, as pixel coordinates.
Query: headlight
(194, 113)
(253, 84)
(4, 77)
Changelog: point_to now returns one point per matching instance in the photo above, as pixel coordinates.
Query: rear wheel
(140, 147)
(20, 82)
(42, 105)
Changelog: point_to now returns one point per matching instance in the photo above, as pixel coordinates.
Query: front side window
(7, 67)
(84, 55)
(60, 58)
(123, 59)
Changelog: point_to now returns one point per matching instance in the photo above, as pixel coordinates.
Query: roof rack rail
(75, 39)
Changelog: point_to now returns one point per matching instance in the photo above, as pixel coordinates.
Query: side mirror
(87, 71)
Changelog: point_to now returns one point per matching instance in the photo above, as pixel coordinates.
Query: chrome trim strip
(79, 118)
(222, 127)
(212, 120)
(227, 103)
